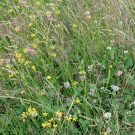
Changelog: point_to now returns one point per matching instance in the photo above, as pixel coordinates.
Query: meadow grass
(67, 67)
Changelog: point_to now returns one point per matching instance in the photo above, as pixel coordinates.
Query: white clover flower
(112, 41)
(95, 21)
(87, 13)
(34, 114)
(109, 48)
(66, 84)
(125, 52)
(90, 67)
(107, 115)
(115, 88)
(92, 92)
(82, 78)
(120, 72)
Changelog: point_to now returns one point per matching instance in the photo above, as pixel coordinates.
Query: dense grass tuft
(67, 67)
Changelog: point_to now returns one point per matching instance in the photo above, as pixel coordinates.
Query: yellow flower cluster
(82, 72)
(17, 28)
(32, 111)
(47, 123)
(27, 62)
(69, 118)
(45, 114)
(24, 116)
(49, 77)
(18, 55)
(12, 74)
(77, 100)
(33, 67)
(8, 66)
(107, 133)
(75, 83)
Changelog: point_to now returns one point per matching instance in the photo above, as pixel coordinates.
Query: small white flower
(87, 13)
(112, 41)
(120, 72)
(107, 115)
(50, 4)
(115, 88)
(125, 52)
(95, 21)
(102, 88)
(94, 101)
(66, 84)
(34, 114)
(90, 67)
(92, 91)
(120, 22)
(109, 48)
(82, 78)
(112, 56)
(108, 129)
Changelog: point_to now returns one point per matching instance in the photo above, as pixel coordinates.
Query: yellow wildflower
(32, 112)
(33, 35)
(18, 7)
(110, 66)
(34, 45)
(75, 83)
(10, 75)
(75, 119)
(8, 66)
(46, 124)
(33, 68)
(77, 100)
(58, 25)
(38, 3)
(21, 60)
(82, 72)
(107, 133)
(53, 55)
(22, 92)
(74, 25)
(54, 125)
(24, 116)
(45, 114)
(49, 77)
(25, 50)
(27, 62)
(18, 55)
(53, 8)
(10, 10)
(17, 28)
(68, 118)
(57, 12)
(52, 47)
(48, 13)
(88, 17)
(50, 120)
(30, 24)
(20, 1)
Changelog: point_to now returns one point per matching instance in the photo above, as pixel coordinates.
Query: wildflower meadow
(67, 67)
